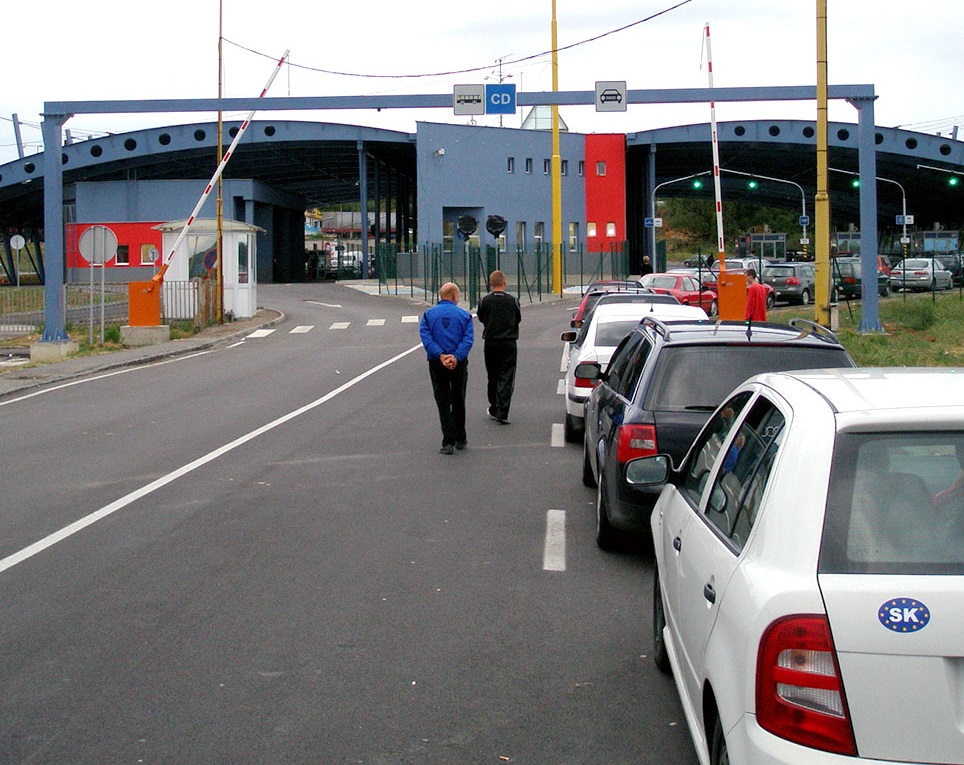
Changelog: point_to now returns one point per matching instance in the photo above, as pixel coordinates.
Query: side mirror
(648, 471)
(569, 337)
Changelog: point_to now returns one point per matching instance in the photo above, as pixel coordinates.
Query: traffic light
(954, 181)
(855, 183)
(752, 185)
(697, 183)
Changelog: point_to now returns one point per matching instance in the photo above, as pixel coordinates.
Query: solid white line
(554, 552)
(558, 435)
(68, 531)
(123, 371)
(326, 305)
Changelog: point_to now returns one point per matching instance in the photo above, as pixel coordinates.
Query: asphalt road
(256, 554)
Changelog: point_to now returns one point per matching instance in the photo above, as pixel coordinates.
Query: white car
(809, 588)
(920, 274)
(597, 339)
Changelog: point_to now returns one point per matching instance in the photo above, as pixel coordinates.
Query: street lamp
(697, 184)
(904, 239)
(752, 184)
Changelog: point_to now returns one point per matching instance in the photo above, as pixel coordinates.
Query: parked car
(920, 274)
(684, 288)
(662, 383)
(612, 285)
(808, 593)
(952, 262)
(591, 299)
(792, 282)
(846, 274)
(696, 261)
(595, 341)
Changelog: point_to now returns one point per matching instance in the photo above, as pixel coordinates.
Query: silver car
(793, 282)
(920, 274)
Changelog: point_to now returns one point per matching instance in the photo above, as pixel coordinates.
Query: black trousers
(500, 362)
(449, 387)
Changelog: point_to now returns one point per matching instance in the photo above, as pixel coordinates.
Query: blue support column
(867, 167)
(54, 258)
(363, 199)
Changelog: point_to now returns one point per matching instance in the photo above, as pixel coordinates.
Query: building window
(565, 167)
(573, 237)
(529, 165)
(123, 255)
(520, 235)
(601, 168)
(546, 166)
(582, 168)
(611, 230)
(591, 229)
(538, 232)
(149, 254)
(510, 165)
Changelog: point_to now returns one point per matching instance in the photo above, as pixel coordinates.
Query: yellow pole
(219, 270)
(557, 243)
(822, 199)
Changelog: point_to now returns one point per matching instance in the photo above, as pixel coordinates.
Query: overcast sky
(912, 53)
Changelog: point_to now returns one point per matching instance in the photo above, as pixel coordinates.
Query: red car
(684, 288)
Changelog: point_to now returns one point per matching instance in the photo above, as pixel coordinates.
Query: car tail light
(635, 441)
(581, 382)
(792, 281)
(919, 273)
(849, 280)
(799, 692)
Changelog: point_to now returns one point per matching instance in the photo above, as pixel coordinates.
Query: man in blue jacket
(447, 334)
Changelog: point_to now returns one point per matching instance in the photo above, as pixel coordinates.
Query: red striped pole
(716, 161)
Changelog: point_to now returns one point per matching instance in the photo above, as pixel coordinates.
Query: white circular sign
(17, 242)
(98, 244)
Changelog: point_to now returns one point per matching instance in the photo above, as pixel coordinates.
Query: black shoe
(502, 420)
(460, 445)
(491, 413)
(447, 449)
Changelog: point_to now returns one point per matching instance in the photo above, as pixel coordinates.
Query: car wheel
(714, 308)
(606, 537)
(588, 479)
(571, 431)
(805, 298)
(718, 751)
(770, 300)
(660, 656)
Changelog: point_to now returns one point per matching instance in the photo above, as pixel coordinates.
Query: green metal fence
(529, 272)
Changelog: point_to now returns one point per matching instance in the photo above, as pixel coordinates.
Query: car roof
(620, 311)
(636, 296)
(798, 332)
(864, 398)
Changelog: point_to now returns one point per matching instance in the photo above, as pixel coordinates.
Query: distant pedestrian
(756, 298)
(500, 316)
(447, 335)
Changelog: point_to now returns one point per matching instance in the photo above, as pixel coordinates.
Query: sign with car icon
(611, 96)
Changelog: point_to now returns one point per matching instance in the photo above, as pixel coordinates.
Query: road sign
(611, 96)
(469, 99)
(500, 99)
(98, 244)
(804, 220)
(804, 240)
(905, 220)
(17, 242)
(653, 222)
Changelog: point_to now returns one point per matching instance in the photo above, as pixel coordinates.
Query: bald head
(449, 291)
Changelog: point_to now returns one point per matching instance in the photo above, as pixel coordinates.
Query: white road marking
(558, 435)
(340, 325)
(554, 552)
(300, 330)
(260, 333)
(561, 387)
(68, 531)
(326, 305)
(564, 363)
(410, 320)
(375, 323)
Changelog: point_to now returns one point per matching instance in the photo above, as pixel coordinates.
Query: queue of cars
(807, 522)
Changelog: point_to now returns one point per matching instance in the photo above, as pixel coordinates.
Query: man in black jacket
(500, 315)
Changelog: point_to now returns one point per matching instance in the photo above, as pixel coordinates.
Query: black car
(662, 383)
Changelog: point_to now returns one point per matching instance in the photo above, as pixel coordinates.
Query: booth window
(148, 254)
(123, 255)
(242, 262)
(590, 228)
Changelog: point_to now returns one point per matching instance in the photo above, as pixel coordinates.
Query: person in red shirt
(756, 298)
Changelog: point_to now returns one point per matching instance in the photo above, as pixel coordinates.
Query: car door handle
(677, 544)
(709, 593)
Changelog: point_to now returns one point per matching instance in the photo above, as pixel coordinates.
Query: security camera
(440, 152)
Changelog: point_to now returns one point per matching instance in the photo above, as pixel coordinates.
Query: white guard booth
(196, 258)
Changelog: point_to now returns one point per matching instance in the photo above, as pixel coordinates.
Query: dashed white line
(340, 325)
(410, 320)
(375, 323)
(558, 435)
(302, 329)
(260, 333)
(554, 551)
(564, 362)
(561, 387)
